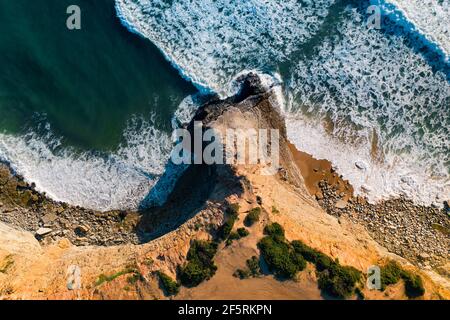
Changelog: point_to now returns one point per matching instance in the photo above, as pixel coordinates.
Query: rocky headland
(121, 254)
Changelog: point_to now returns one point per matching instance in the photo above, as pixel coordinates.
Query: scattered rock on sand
(341, 204)
(43, 231)
(49, 218)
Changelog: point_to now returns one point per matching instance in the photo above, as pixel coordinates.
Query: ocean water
(86, 115)
(373, 101)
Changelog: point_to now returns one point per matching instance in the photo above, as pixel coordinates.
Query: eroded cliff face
(42, 270)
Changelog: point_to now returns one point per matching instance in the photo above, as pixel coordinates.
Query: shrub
(334, 279)
(200, 266)
(134, 278)
(225, 230)
(253, 266)
(274, 230)
(170, 287)
(242, 274)
(234, 236)
(253, 269)
(242, 232)
(413, 285)
(391, 273)
(339, 281)
(308, 253)
(227, 227)
(130, 269)
(279, 255)
(321, 260)
(233, 210)
(252, 217)
(286, 259)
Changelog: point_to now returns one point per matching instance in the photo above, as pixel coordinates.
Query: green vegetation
(148, 262)
(287, 259)
(242, 232)
(274, 229)
(233, 209)
(339, 281)
(252, 217)
(232, 216)
(413, 285)
(392, 273)
(170, 287)
(334, 279)
(253, 266)
(253, 269)
(136, 276)
(279, 254)
(241, 274)
(275, 210)
(200, 266)
(197, 226)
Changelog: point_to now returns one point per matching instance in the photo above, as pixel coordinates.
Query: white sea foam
(211, 41)
(119, 180)
(365, 82)
(429, 17)
(362, 81)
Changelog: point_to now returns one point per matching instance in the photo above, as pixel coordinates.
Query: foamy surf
(364, 82)
(210, 42)
(430, 18)
(119, 180)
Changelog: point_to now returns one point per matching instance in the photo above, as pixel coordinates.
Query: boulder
(43, 231)
(341, 204)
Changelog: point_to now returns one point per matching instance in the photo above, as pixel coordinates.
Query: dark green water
(85, 83)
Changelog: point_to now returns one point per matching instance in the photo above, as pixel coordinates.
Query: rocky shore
(306, 197)
(21, 206)
(418, 233)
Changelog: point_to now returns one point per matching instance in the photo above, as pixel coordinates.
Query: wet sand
(314, 171)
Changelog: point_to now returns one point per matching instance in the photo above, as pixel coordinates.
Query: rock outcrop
(195, 210)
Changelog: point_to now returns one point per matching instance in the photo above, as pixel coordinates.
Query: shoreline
(50, 221)
(282, 198)
(418, 233)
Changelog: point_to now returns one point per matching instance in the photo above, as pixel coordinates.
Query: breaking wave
(366, 99)
(116, 180)
(369, 95)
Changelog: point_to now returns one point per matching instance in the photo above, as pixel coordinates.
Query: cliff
(158, 239)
